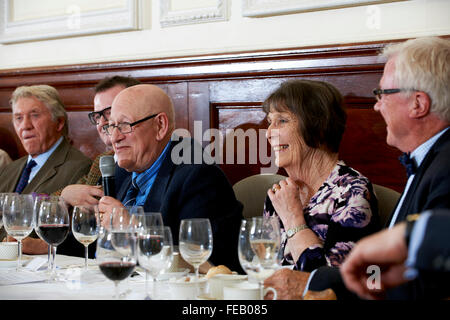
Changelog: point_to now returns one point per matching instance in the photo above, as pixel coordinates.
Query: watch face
(290, 232)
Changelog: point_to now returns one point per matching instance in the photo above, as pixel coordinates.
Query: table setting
(135, 255)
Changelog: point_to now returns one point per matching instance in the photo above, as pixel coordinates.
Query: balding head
(147, 99)
(137, 150)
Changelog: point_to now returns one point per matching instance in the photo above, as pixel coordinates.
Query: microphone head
(107, 166)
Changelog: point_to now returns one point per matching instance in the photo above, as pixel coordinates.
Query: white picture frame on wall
(261, 8)
(75, 21)
(180, 12)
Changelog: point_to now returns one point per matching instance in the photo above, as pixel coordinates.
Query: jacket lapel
(49, 169)
(408, 201)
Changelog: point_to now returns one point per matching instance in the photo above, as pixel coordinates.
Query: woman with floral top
(324, 206)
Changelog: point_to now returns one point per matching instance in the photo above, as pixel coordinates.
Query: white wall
(387, 21)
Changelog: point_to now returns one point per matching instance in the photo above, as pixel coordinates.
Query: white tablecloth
(77, 284)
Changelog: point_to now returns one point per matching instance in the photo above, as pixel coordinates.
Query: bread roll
(220, 269)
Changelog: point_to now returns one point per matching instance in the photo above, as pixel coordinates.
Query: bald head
(153, 111)
(144, 100)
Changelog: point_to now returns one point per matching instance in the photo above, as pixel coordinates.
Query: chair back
(387, 199)
(252, 192)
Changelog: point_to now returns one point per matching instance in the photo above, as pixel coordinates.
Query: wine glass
(195, 241)
(265, 238)
(85, 227)
(116, 254)
(2, 199)
(247, 257)
(18, 219)
(53, 223)
(154, 248)
(38, 198)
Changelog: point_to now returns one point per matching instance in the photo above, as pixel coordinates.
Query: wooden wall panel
(225, 91)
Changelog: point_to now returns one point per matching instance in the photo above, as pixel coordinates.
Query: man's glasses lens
(96, 115)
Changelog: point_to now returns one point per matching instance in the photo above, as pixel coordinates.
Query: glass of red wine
(53, 223)
(116, 252)
(38, 198)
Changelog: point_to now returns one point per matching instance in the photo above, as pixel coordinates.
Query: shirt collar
(421, 151)
(142, 179)
(43, 157)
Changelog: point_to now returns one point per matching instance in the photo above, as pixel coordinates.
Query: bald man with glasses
(141, 128)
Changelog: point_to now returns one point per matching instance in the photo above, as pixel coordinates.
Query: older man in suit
(141, 125)
(414, 101)
(40, 122)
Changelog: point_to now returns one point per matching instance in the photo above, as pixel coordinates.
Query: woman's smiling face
(284, 136)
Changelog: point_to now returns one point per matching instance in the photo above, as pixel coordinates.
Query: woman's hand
(285, 197)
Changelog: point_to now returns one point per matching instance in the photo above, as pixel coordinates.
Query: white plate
(171, 275)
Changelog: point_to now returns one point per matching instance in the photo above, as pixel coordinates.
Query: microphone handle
(108, 184)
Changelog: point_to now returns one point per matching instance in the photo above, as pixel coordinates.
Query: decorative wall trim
(261, 8)
(218, 11)
(73, 23)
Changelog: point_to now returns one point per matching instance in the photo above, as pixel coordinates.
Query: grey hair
(424, 64)
(48, 96)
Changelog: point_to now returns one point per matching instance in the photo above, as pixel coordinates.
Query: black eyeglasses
(96, 115)
(378, 92)
(124, 127)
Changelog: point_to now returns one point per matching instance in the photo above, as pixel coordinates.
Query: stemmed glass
(2, 199)
(38, 198)
(258, 247)
(152, 247)
(18, 219)
(116, 254)
(85, 227)
(195, 241)
(53, 223)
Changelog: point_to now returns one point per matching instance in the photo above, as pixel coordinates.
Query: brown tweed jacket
(93, 175)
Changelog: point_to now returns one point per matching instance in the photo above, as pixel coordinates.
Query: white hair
(424, 64)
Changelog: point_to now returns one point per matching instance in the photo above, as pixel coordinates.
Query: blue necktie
(408, 163)
(130, 198)
(23, 181)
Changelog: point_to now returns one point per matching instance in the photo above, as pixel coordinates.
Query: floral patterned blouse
(343, 210)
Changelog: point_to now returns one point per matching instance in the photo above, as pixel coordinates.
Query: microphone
(107, 168)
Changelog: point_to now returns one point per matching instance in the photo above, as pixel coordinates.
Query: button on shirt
(417, 155)
(42, 158)
(145, 180)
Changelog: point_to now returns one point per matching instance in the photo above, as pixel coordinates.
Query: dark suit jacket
(430, 189)
(183, 191)
(65, 166)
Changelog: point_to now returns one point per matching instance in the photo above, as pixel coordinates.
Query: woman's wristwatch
(292, 231)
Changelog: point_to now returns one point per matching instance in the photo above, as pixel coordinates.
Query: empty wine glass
(195, 241)
(116, 254)
(2, 198)
(247, 257)
(53, 223)
(18, 219)
(85, 227)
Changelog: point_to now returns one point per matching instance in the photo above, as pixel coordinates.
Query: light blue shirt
(417, 156)
(42, 158)
(145, 180)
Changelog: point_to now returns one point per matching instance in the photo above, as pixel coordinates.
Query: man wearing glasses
(141, 125)
(414, 100)
(87, 190)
